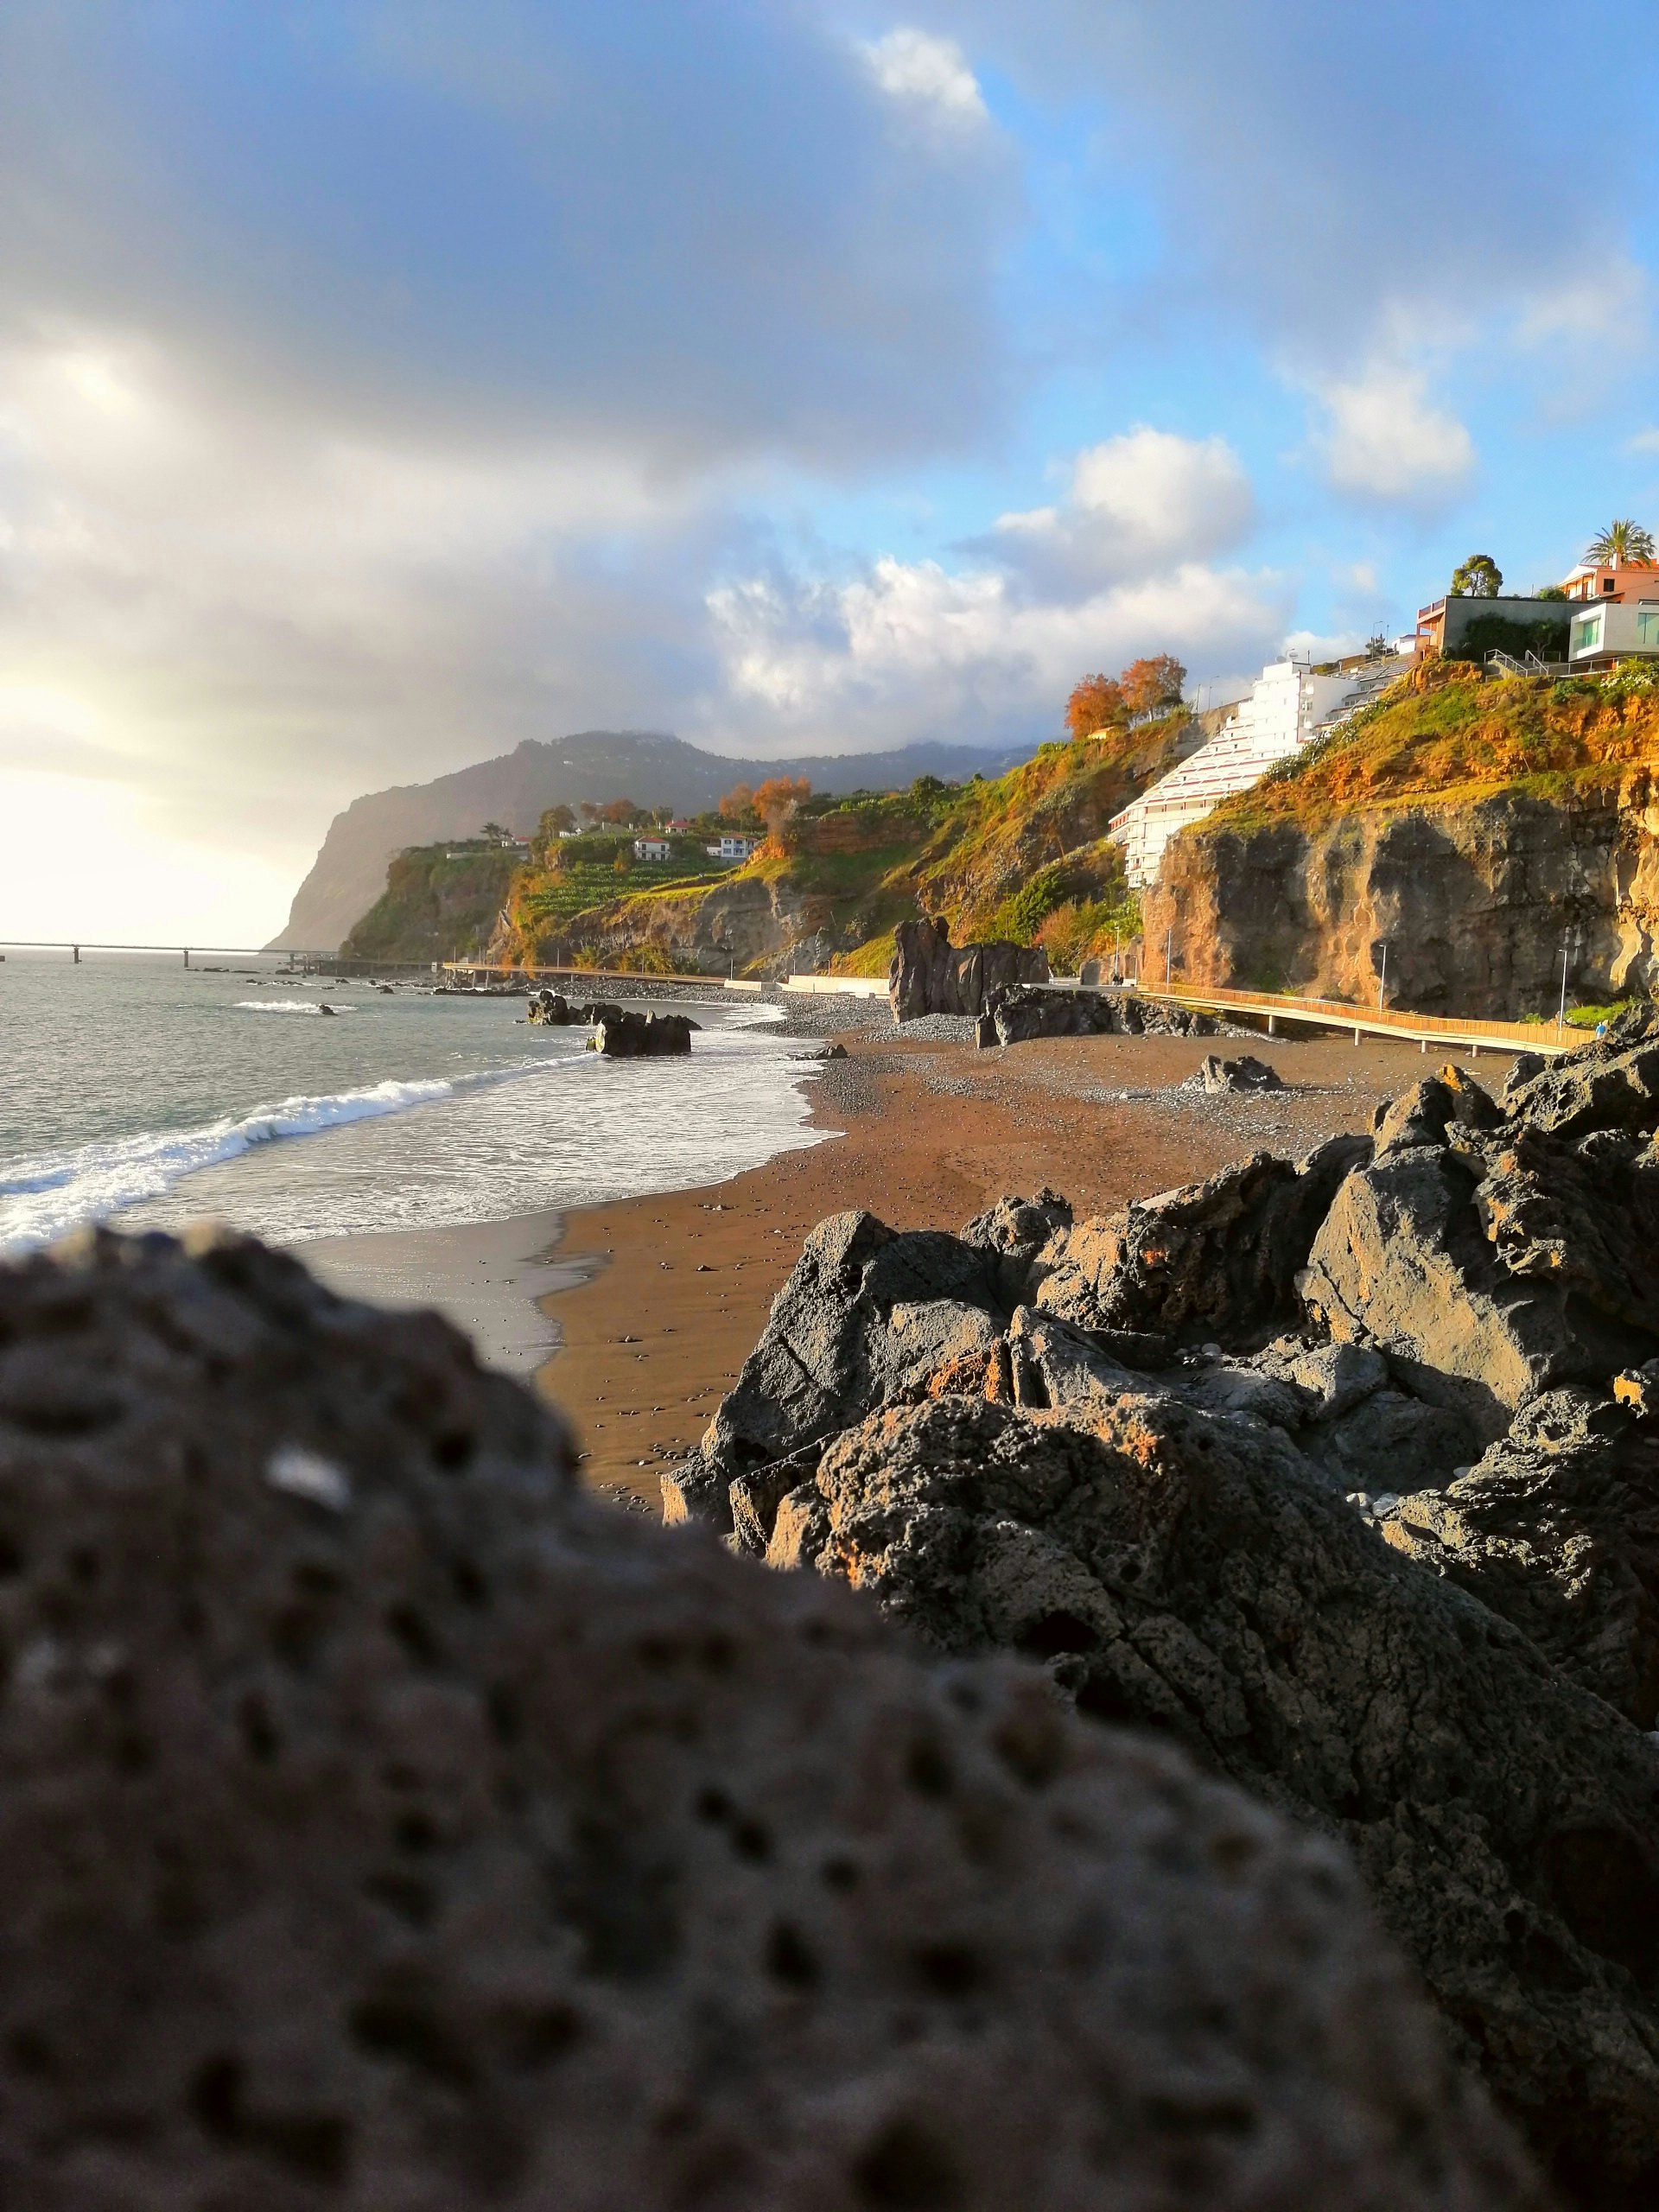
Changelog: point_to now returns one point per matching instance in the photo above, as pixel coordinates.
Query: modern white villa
(1612, 630)
(1288, 706)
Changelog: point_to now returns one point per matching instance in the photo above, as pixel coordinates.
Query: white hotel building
(1287, 706)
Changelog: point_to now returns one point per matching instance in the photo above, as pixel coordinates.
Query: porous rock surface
(1186, 1572)
(1344, 1474)
(382, 1825)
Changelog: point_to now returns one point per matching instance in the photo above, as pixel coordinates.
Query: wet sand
(664, 1296)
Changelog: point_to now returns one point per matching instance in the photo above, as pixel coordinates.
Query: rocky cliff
(349, 872)
(1022, 856)
(1479, 830)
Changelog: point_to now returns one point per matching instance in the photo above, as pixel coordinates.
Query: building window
(1609, 584)
(1586, 633)
(1647, 627)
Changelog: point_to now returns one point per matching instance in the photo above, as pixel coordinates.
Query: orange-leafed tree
(1095, 704)
(738, 805)
(1150, 686)
(778, 798)
(618, 811)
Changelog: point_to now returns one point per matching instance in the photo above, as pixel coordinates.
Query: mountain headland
(515, 788)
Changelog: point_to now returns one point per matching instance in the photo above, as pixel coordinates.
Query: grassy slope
(1448, 735)
(1023, 856)
(433, 906)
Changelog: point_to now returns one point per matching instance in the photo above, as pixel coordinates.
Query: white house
(1284, 709)
(1612, 631)
(651, 849)
(734, 849)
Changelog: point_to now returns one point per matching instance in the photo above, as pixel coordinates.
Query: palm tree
(1620, 545)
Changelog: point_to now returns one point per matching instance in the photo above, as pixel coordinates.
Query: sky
(383, 384)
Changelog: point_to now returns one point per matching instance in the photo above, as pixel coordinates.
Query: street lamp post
(1382, 980)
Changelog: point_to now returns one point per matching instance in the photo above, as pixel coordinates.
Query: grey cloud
(693, 231)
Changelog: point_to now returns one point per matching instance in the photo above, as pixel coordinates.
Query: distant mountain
(350, 872)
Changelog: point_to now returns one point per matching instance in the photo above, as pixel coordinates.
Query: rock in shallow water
(422, 1836)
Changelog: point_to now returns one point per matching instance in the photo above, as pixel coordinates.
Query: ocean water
(139, 1091)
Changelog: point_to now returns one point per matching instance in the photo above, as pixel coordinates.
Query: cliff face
(1480, 828)
(1477, 901)
(350, 871)
(748, 925)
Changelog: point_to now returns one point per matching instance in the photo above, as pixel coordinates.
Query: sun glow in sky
(382, 385)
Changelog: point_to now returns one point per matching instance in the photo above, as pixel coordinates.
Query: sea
(140, 1092)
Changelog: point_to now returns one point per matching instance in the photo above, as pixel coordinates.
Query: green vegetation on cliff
(1022, 856)
(439, 900)
(1449, 733)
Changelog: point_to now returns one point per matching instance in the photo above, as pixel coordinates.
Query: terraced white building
(1286, 707)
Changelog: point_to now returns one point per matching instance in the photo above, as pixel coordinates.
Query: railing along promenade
(1423, 1029)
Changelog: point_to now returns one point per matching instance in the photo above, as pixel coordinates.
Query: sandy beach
(634, 1317)
(662, 1298)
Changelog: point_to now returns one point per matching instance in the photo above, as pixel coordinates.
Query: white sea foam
(42, 1197)
(288, 1006)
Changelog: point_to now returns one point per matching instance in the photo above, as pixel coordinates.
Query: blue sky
(383, 384)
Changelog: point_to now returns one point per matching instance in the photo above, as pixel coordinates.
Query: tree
(493, 830)
(778, 798)
(1151, 686)
(1095, 704)
(738, 805)
(1620, 545)
(1377, 647)
(1479, 577)
(1549, 591)
(589, 811)
(555, 819)
(618, 812)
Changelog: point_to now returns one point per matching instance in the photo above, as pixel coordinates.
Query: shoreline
(634, 1315)
(668, 1293)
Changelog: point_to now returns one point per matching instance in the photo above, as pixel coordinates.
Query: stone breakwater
(386, 1824)
(1341, 1474)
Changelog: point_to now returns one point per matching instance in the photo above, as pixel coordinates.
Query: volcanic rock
(384, 1828)
(628, 1036)
(929, 974)
(1015, 1013)
(1490, 1264)
(1245, 1073)
(1218, 1259)
(864, 1312)
(1189, 1574)
(1556, 1528)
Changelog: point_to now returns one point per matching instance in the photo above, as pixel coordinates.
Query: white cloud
(1605, 309)
(929, 72)
(1134, 502)
(1384, 438)
(915, 647)
(1644, 442)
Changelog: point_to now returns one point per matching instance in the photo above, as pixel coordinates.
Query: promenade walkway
(1473, 1036)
